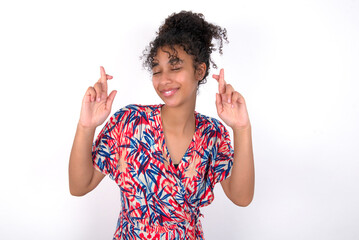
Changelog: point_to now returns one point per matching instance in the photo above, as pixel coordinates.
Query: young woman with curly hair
(167, 158)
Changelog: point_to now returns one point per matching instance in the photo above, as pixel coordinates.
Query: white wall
(296, 63)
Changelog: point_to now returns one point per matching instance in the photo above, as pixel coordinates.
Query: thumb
(110, 99)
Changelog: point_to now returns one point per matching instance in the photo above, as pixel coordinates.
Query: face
(174, 77)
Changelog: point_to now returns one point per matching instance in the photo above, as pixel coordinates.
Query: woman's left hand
(231, 106)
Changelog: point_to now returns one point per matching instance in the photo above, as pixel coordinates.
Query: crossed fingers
(99, 91)
(226, 93)
(221, 82)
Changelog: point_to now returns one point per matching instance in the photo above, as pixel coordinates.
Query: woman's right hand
(96, 104)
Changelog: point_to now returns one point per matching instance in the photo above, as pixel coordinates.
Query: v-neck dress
(159, 200)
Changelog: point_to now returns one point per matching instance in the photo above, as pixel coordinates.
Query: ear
(201, 71)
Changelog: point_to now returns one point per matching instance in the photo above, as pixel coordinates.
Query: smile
(170, 92)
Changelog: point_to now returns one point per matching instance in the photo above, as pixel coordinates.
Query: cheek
(154, 82)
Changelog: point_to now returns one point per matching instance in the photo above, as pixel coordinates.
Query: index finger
(103, 75)
(221, 82)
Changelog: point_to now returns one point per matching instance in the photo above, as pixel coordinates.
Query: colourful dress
(160, 201)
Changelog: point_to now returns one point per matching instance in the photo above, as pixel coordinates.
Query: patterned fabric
(158, 200)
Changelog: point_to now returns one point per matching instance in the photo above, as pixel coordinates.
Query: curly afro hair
(191, 32)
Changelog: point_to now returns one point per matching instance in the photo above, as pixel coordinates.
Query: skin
(176, 83)
(181, 80)
(232, 109)
(96, 106)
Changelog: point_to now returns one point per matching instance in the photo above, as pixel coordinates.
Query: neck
(178, 119)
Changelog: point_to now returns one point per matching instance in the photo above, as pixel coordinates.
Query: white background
(295, 62)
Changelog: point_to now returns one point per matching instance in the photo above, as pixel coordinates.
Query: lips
(169, 92)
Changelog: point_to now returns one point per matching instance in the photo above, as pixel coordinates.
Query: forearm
(80, 165)
(242, 177)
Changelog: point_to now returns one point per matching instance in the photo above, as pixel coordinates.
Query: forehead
(174, 54)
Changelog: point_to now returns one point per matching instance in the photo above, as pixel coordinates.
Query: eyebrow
(172, 61)
(154, 64)
(175, 60)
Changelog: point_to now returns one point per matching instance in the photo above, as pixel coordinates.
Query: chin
(171, 104)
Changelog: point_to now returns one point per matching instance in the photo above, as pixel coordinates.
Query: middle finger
(229, 92)
(99, 90)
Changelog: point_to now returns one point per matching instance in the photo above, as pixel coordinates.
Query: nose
(165, 77)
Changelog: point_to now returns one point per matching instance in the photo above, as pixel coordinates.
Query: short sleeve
(106, 147)
(223, 161)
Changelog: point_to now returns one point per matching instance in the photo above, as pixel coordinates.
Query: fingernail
(98, 99)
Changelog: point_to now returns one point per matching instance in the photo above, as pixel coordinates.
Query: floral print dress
(159, 200)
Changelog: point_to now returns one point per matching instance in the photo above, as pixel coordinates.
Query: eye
(156, 71)
(176, 69)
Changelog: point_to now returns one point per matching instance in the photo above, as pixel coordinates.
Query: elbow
(77, 193)
(242, 202)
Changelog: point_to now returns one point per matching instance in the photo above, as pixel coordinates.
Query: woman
(167, 158)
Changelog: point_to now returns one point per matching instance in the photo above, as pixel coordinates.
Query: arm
(231, 108)
(83, 177)
(239, 187)
(96, 106)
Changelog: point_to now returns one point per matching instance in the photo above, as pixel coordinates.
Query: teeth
(169, 92)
